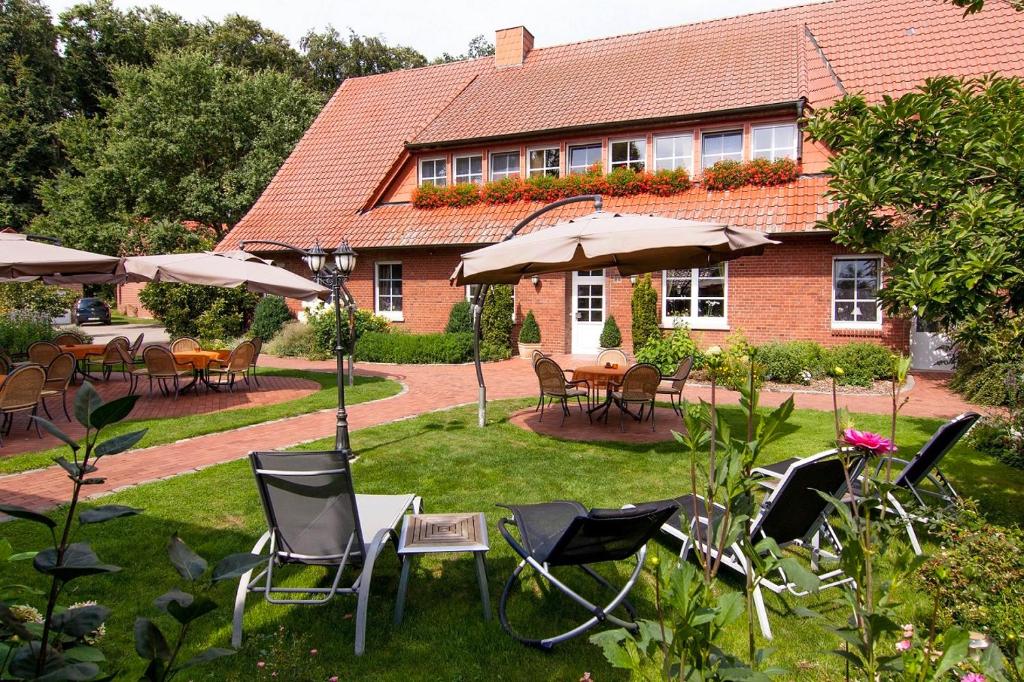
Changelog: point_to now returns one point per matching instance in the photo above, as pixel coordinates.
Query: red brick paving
(428, 387)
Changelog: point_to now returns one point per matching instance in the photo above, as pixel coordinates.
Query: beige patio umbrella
(25, 260)
(227, 269)
(633, 243)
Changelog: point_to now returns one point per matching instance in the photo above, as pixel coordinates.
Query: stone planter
(526, 349)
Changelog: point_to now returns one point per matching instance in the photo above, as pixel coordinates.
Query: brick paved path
(427, 387)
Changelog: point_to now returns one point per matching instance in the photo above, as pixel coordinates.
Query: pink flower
(312, 652)
(261, 665)
(973, 677)
(903, 645)
(865, 440)
(332, 678)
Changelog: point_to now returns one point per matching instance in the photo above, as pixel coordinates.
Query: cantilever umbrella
(227, 269)
(24, 260)
(633, 243)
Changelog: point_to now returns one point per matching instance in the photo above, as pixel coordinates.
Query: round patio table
(598, 377)
(201, 359)
(81, 350)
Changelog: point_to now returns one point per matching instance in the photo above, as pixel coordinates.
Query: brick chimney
(511, 45)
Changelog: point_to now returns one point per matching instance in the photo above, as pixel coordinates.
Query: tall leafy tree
(246, 43)
(934, 181)
(479, 46)
(332, 58)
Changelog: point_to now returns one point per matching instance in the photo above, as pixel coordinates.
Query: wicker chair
(68, 339)
(257, 345)
(115, 354)
(20, 393)
(535, 356)
(135, 350)
(236, 365)
(58, 377)
(676, 383)
(185, 344)
(612, 355)
(639, 386)
(43, 353)
(555, 386)
(5, 363)
(161, 366)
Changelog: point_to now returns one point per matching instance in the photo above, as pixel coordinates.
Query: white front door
(929, 347)
(587, 311)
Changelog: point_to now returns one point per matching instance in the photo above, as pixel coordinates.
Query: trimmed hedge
(530, 331)
(460, 319)
(862, 362)
(791, 362)
(271, 314)
(611, 337)
(644, 305)
(415, 349)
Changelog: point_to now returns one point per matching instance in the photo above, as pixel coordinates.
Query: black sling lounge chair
(912, 475)
(793, 514)
(315, 518)
(564, 533)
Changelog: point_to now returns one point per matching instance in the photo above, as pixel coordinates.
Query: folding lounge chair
(912, 474)
(315, 518)
(793, 514)
(564, 533)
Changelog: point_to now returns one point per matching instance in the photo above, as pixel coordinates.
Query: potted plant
(529, 336)
(611, 337)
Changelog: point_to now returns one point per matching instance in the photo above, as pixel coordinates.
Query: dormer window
(629, 154)
(724, 146)
(434, 172)
(546, 161)
(583, 156)
(774, 141)
(504, 165)
(469, 169)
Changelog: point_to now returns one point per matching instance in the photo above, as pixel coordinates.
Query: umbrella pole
(478, 310)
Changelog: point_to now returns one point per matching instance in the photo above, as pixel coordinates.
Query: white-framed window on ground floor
(387, 287)
(471, 290)
(696, 297)
(855, 284)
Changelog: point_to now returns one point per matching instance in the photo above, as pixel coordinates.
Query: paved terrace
(426, 388)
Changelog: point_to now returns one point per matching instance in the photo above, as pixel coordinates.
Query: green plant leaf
(84, 653)
(211, 654)
(185, 614)
(190, 565)
(106, 513)
(75, 672)
(27, 514)
(80, 621)
(79, 560)
(119, 444)
(150, 643)
(5, 549)
(236, 565)
(112, 412)
(52, 429)
(86, 400)
(74, 470)
(175, 595)
(23, 663)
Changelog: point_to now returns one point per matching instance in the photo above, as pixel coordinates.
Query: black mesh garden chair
(564, 533)
(794, 513)
(315, 518)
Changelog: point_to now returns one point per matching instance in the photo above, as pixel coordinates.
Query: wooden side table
(439, 533)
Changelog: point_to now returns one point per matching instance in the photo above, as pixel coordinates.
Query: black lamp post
(331, 270)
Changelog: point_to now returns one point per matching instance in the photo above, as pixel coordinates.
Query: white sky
(435, 27)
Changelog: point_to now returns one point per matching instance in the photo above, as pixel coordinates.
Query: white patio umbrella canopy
(25, 260)
(228, 269)
(633, 243)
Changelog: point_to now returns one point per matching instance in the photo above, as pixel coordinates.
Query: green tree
(934, 181)
(331, 58)
(530, 331)
(246, 43)
(496, 323)
(181, 307)
(644, 306)
(610, 337)
(479, 46)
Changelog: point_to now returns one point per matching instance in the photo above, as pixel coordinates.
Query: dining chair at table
(639, 386)
(554, 385)
(43, 352)
(115, 354)
(135, 350)
(186, 344)
(237, 364)
(5, 363)
(673, 385)
(612, 356)
(257, 346)
(20, 392)
(58, 377)
(161, 366)
(68, 339)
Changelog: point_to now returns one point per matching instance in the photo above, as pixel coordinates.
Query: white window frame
(544, 170)
(856, 324)
(774, 152)
(455, 169)
(393, 315)
(469, 298)
(433, 178)
(674, 158)
(724, 131)
(642, 141)
(568, 156)
(695, 320)
(504, 174)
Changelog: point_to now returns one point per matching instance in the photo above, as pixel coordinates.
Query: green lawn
(456, 467)
(172, 429)
(118, 318)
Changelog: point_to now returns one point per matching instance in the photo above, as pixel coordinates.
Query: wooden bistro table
(200, 361)
(81, 351)
(598, 377)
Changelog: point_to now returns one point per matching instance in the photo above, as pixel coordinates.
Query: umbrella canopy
(633, 243)
(227, 269)
(24, 260)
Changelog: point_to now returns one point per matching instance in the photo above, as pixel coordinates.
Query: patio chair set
(626, 387)
(315, 518)
(25, 386)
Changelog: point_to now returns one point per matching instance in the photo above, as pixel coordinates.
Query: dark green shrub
(271, 314)
(666, 352)
(496, 324)
(644, 305)
(988, 382)
(407, 349)
(736, 356)
(218, 323)
(36, 297)
(180, 307)
(862, 362)
(295, 340)
(791, 362)
(321, 319)
(611, 337)
(460, 319)
(530, 331)
(19, 331)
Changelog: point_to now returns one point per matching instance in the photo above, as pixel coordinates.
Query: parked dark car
(91, 310)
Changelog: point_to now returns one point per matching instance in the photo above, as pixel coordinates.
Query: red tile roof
(815, 52)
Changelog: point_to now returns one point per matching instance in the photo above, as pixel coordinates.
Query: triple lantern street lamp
(332, 270)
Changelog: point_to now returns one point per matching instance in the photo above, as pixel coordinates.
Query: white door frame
(586, 333)
(927, 350)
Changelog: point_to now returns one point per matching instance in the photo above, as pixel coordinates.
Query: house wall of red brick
(128, 301)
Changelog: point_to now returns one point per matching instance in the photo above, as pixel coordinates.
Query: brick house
(685, 96)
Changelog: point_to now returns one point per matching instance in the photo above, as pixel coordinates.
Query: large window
(504, 165)
(629, 154)
(388, 288)
(855, 285)
(724, 146)
(469, 169)
(774, 141)
(673, 151)
(583, 156)
(543, 162)
(433, 172)
(695, 296)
